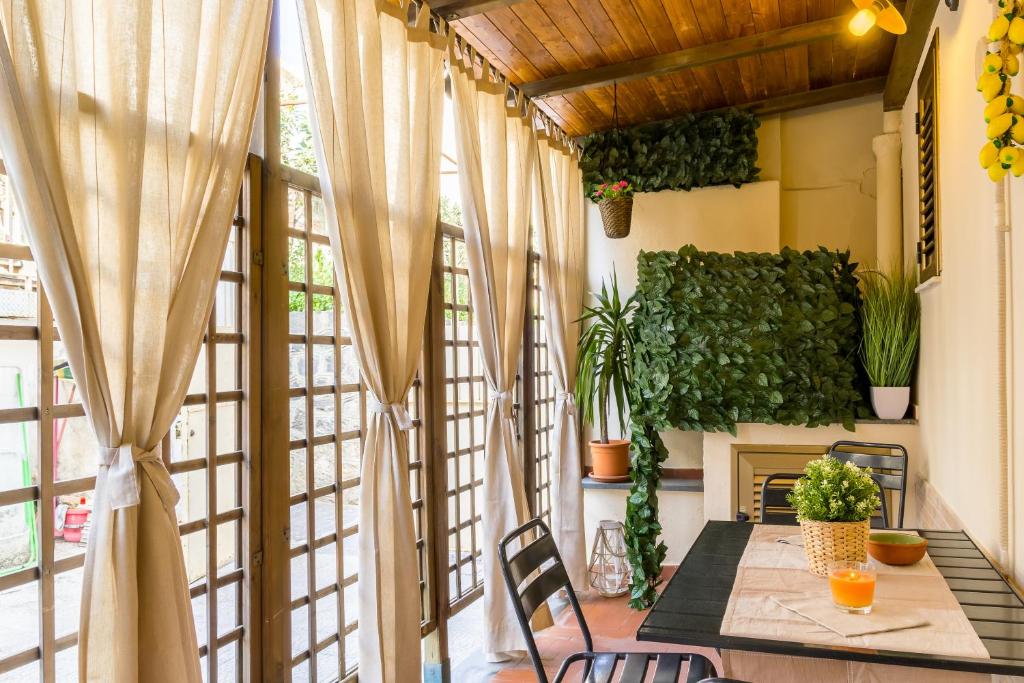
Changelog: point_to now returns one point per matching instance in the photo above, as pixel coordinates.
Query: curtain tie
(569, 400)
(123, 486)
(398, 410)
(504, 401)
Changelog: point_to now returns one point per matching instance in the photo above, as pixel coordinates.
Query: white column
(888, 194)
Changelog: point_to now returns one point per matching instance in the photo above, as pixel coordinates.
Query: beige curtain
(496, 153)
(126, 125)
(558, 211)
(377, 89)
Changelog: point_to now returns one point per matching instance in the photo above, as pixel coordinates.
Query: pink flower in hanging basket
(618, 190)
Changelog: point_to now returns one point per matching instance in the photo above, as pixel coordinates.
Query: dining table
(734, 567)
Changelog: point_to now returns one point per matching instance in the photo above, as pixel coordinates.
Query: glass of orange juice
(853, 586)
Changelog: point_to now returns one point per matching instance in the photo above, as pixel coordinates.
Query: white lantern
(609, 570)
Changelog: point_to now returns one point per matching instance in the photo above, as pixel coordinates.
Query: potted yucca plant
(604, 371)
(834, 502)
(891, 328)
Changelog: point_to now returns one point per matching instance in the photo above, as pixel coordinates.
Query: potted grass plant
(834, 502)
(603, 372)
(891, 327)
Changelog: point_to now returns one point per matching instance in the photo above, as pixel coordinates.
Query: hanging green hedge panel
(696, 150)
(727, 338)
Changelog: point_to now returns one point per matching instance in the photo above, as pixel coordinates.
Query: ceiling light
(880, 12)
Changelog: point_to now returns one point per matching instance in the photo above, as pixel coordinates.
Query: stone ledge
(667, 484)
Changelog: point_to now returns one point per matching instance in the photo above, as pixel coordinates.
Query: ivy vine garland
(727, 338)
(696, 150)
(1004, 113)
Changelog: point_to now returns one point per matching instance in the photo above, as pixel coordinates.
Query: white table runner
(769, 568)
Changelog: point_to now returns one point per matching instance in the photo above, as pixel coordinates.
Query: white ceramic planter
(890, 403)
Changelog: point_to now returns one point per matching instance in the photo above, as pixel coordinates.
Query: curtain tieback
(400, 412)
(123, 486)
(567, 398)
(504, 401)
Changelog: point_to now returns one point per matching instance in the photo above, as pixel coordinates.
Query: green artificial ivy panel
(696, 150)
(727, 338)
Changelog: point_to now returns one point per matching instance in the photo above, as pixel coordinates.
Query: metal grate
(328, 406)
(543, 398)
(928, 245)
(205, 453)
(465, 397)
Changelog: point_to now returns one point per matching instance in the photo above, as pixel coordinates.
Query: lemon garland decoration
(1005, 111)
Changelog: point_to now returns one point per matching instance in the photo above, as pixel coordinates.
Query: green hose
(26, 480)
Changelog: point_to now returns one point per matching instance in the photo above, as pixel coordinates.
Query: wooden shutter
(928, 247)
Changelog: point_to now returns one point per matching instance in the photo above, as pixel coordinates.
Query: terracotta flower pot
(610, 460)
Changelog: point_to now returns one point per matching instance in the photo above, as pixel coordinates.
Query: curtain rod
(528, 107)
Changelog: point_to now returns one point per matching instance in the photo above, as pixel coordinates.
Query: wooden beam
(452, 10)
(814, 98)
(688, 58)
(907, 55)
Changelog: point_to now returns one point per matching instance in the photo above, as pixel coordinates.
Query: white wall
(828, 176)
(957, 373)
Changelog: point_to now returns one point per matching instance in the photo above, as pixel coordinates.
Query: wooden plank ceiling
(569, 53)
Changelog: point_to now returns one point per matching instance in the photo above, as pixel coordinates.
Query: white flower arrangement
(832, 491)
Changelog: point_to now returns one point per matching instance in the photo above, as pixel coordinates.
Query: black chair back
(775, 509)
(530, 583)
(888, 463)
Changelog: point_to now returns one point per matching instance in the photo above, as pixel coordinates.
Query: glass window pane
(67, 601)
(75, 448)
(188, 433)
(229, 423)
(226, 308)
(296, 134)
(324, 467)
(296, 260)
(228, 611)
(19, 372)
(229, 367)
(319, 216)
(296, 312)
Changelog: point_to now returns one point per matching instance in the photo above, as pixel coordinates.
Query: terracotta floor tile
(613, 625)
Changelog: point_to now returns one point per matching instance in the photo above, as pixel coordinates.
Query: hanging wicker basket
(828, 542)
(616, 214)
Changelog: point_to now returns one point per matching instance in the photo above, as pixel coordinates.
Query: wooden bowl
(896, 549)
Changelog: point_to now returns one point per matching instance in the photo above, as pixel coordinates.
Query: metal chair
(888, 471)
(526, 567)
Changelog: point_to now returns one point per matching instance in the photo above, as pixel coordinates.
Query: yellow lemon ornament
(1017, 132)
(995, 108)
(988, 155)
(998, 28)
(996, 172)
(1000, 125)
(1011, 65)
(991, 85)
(1015, 32)
(993, 63)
